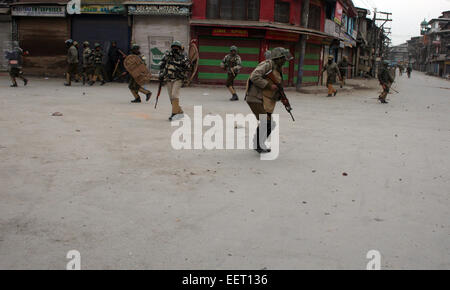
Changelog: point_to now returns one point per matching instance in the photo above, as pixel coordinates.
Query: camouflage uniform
(332, 73)
(134, 87)
(99, 71)
(88, 69)
(343, 68)
(261, 95)
(386, 81)
(233, 64)
(72, 63)
(15, 61)
(173, 69)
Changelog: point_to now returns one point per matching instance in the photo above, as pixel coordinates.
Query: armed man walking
(87, 63)
(263, 90)
(15, 61)
(134, 87)
(386, 80)
(173, 69)
(232, 63)
(72, 62)
(332, 73)
(99, 71)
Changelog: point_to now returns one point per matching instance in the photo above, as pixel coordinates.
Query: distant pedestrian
(113, 60)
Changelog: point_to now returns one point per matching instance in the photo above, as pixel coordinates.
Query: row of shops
(42, 29)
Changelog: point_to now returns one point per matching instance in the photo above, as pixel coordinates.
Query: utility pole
(303, 39)
(377, 35)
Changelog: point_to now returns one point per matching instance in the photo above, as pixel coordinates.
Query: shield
(137, 69)
(194, 58)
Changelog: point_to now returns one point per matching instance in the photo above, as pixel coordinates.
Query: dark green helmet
(234, 48)
(86, 43)
(135, 46)
(69, 41)
(97, 45)
(277, 52)
(177, 44)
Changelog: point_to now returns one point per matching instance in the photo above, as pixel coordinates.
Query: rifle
(283, 96)
(161, 83)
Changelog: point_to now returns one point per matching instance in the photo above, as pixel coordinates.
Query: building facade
(5, 33)
(156, 24)
(41, 27)
(255, 27)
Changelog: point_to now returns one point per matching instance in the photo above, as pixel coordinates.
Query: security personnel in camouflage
(88, 69)
(134, 87)
(15, 62)
(332, 73)
(262, 93)
(173, 72)
(386, 80)
(232, 63)
(99, 71)
(343, 68)
(72, 62)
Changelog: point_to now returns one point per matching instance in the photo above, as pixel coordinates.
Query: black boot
(234, 98)
(14, 85)
(102, 83)
(148, 96)
(25, 82)
(136, 100)
(91, 83)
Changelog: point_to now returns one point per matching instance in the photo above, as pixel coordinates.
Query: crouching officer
(386, 81)
(99, 71)
(15, 62)
(232, 63)
(174, 67)
(134, 87)
(262, 93)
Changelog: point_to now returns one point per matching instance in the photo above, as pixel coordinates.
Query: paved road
(104, 180)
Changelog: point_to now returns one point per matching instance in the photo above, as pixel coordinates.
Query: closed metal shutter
(102, 29)
(5, 43)
(213, 50)
(44, 38)
(311, 65)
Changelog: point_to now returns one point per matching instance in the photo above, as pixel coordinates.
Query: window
(315, 15)
(329, 10)
(233, 9)
(282, 11)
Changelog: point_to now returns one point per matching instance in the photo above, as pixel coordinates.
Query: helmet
(233, 48)
(176, 43)
(135, 46)
(69, 41)
(97, 45)
(75, 43)
(277, 52)
(86, 43)
(330, 57)
(288, 55)
(385, 62)
(345, 58)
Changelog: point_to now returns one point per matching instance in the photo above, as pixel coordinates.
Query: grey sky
(407, 14)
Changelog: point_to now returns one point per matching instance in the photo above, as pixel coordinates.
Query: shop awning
(258, 25)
